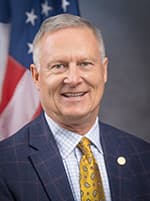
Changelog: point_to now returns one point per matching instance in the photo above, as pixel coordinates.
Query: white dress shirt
(67, 142)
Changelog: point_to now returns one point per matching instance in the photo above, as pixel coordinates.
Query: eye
(86, 64)
(57, 68)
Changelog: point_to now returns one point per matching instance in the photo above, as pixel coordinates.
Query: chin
(75, 117)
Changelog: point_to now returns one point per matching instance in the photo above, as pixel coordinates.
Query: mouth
(73, 94)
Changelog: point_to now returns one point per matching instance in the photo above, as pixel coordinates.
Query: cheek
(49, 86)
(98, 84)
(97, 79)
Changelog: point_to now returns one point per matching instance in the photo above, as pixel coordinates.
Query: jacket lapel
(46, 159)
(117, 163)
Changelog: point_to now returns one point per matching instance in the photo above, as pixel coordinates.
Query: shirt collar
(67, 140)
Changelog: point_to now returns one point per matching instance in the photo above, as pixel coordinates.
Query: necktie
(90, 181)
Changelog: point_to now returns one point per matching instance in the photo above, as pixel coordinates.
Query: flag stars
(65, 3)
(46, 8)
(30, 46)
(31, 17)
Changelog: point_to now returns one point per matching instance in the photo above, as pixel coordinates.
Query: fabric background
(125, 26)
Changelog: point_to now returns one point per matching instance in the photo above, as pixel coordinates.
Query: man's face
(72, 75)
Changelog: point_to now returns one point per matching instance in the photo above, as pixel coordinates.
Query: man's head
(63, 21)
(70, 70)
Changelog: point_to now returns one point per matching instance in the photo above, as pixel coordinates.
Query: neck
(80, 126)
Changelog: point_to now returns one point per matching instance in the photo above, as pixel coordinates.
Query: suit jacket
(31, 168)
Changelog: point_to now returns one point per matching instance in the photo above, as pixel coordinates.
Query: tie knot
(84, 146)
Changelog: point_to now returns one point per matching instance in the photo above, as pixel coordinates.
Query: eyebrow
(65, 59)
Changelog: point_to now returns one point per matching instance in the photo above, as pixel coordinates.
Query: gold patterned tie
(90, 181)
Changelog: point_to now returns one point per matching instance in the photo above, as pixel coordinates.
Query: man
(42, 161)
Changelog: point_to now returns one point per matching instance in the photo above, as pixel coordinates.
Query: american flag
(19, 21)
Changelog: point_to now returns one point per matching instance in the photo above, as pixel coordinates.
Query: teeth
(74, 94)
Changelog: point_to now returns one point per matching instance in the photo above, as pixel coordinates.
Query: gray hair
(63, 21)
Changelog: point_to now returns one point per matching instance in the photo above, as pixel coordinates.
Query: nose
(73, 75)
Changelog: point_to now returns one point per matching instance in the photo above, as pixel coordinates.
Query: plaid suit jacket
(31, 168)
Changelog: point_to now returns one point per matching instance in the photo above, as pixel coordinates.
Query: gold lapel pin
(121, 160)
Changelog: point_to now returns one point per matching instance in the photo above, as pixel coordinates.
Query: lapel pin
(121, 160)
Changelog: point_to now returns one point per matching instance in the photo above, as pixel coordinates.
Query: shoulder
(116, 143)
(122, 139)
(21, 137)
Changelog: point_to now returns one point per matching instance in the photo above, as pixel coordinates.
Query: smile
(77, 94)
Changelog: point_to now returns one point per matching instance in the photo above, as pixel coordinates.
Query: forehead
(76, 32)
(69, 43)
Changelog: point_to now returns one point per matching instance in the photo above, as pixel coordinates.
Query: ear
(35, 75)
(105, 66)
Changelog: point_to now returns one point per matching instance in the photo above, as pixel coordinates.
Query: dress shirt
(67, 142)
